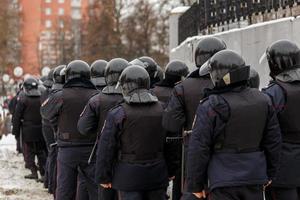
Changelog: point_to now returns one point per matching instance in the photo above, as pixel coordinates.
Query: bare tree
(9, 34)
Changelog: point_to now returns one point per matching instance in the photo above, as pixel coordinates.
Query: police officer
(97, 73)
(235, 131)
(92, 119)
(254, 79)
(180, 111)
(176, 70)
(58, 78)
(63, 108)
(150, 65)
(12, 107)
(130, 155)
(47, 129)
(27, 125)
(284, 89)
(58, 82)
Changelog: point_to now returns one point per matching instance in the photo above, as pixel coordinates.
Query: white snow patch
(13, 186)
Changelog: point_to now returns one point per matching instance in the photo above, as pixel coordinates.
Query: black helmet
(48, 82)
(160, 74)
(135, 83)
(283, 55)
(56, 75)
(98, 68)
(78, 69)
(254, 79)
(177, 68)
(151, 65)
(31, 86)
(98, 72)
(225, 68)
(206, 48)
(114, 69)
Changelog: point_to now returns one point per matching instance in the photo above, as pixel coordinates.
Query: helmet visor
(205, 69)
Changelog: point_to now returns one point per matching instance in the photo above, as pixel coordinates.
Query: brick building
(48, 29)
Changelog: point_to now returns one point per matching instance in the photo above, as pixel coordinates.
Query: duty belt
(142, 158)
(185, 134)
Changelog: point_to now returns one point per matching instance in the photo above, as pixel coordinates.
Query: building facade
(50, 32)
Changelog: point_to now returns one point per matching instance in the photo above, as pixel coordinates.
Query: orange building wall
(30, 30)
(33, 24)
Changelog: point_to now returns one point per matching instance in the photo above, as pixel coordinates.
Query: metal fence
(211, 13)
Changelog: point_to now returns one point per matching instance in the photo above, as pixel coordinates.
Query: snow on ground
(13, 186)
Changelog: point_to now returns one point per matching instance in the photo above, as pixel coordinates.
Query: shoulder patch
(271, 84)
(177, 83)
(203, 100)
(45, 102)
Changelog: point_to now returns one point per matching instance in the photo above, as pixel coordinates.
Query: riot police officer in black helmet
(180, 111)
(63, 109)
(49, 134)
(48, 82)
(234, 124)
(150, 65)
(138, 170)
(58, 78)
(92, 119)
(27, 124)
(97, 73)
(176, 70)
(284, 89)
(254, 79)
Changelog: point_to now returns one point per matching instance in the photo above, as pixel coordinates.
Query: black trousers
(32, 149)
(254, 192)
(73, 169)
(277, 193)
(159, 194)
(107, 194)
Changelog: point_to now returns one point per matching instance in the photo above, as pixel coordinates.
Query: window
(48, 1)
(48, 24)
(61, 1)
(76, 14)
(61, 11)
(48, 11)
(61, 24)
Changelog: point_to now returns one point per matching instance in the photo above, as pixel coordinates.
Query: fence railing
(211, 13)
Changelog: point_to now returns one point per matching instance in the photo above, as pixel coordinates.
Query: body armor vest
(245, 127)
(289, 118)
(32, 114)
(162, 93)
(74, 101)
(107, 102)
(142, 138)
(193, 93)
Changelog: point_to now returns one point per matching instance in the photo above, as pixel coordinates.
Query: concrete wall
(251, 42)
(173, 24)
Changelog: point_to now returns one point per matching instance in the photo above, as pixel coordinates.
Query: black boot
(33, 175)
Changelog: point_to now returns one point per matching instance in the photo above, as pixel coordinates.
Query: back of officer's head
(226, 68)
(98, 68)
(134, 78)
(254, 80)
(30, 83)
(206, 48)
(176, 70)
(78, 69)
(114, 69)
(57, 76)
(282, 55)
(149, 64)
